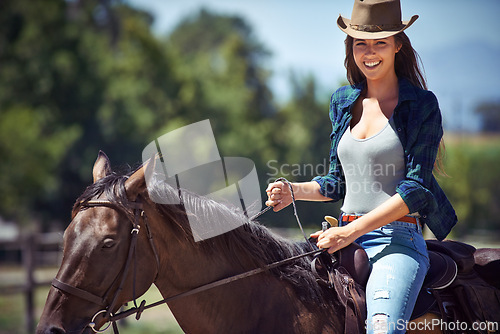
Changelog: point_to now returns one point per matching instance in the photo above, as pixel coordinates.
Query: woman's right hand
(278, 195)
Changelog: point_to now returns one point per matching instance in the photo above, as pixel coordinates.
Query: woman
(385, 139)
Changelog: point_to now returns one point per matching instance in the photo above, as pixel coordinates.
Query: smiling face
(375, 57)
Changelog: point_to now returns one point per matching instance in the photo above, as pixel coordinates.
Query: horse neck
(236, 307)
(183, 264)
(262, 300)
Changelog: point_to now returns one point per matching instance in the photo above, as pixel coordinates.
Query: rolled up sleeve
(332, 185)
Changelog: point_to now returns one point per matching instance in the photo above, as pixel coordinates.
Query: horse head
(102, 266)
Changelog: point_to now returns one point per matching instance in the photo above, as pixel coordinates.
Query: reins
(138, 212)
(215, 284)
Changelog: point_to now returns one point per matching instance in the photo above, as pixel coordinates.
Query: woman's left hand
(335, 238)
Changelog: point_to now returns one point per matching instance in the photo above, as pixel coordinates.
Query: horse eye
(108, 243)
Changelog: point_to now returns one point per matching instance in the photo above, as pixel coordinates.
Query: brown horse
(120, 242)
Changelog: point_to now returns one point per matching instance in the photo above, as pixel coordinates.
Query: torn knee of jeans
(380, 323)
(381, 294)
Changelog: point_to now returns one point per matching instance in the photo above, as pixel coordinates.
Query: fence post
(29, 265)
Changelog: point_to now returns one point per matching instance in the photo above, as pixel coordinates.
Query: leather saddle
(447, 259)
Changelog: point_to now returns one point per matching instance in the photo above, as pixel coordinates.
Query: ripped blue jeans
(399, 262)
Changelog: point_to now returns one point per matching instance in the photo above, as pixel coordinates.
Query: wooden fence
(30, 251)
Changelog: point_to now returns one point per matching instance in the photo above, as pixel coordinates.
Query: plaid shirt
(418, 122)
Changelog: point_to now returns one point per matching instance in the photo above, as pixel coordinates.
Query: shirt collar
(353, 96)
(406, 91)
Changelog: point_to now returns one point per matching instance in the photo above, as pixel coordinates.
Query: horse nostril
(55, 330)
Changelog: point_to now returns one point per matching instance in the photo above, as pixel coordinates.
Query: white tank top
(372, 167)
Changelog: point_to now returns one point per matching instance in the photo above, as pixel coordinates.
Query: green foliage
(11, 315)
(31, 150)
(304, 125)
(221, 65)
(472, 185)
(74, 81)
(224, 80)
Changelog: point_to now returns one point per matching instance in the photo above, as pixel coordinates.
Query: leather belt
(406, 219)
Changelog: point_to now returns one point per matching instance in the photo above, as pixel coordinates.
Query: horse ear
(136, 183)
(102, 167)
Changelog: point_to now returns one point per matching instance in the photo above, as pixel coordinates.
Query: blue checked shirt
(418, 122)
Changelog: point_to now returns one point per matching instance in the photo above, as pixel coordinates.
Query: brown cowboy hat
(374, 19)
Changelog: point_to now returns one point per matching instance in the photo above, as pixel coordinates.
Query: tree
(221, 65)
(35, 81)
(76, 77)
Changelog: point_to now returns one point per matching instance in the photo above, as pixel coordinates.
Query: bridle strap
(214, 284)
(131, 253)
(90, 297)
(101, 301)
(152, 244)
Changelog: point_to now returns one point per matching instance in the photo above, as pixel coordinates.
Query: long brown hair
(407, 64)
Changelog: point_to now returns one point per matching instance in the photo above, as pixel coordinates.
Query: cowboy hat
(374, 19)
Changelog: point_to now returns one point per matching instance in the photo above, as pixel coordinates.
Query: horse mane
(249, 246)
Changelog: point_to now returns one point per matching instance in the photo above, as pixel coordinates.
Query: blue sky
(303, 35)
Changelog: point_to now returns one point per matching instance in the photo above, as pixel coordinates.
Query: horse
(120, 242)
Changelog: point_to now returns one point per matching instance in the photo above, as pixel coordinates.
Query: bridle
(139, 213)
